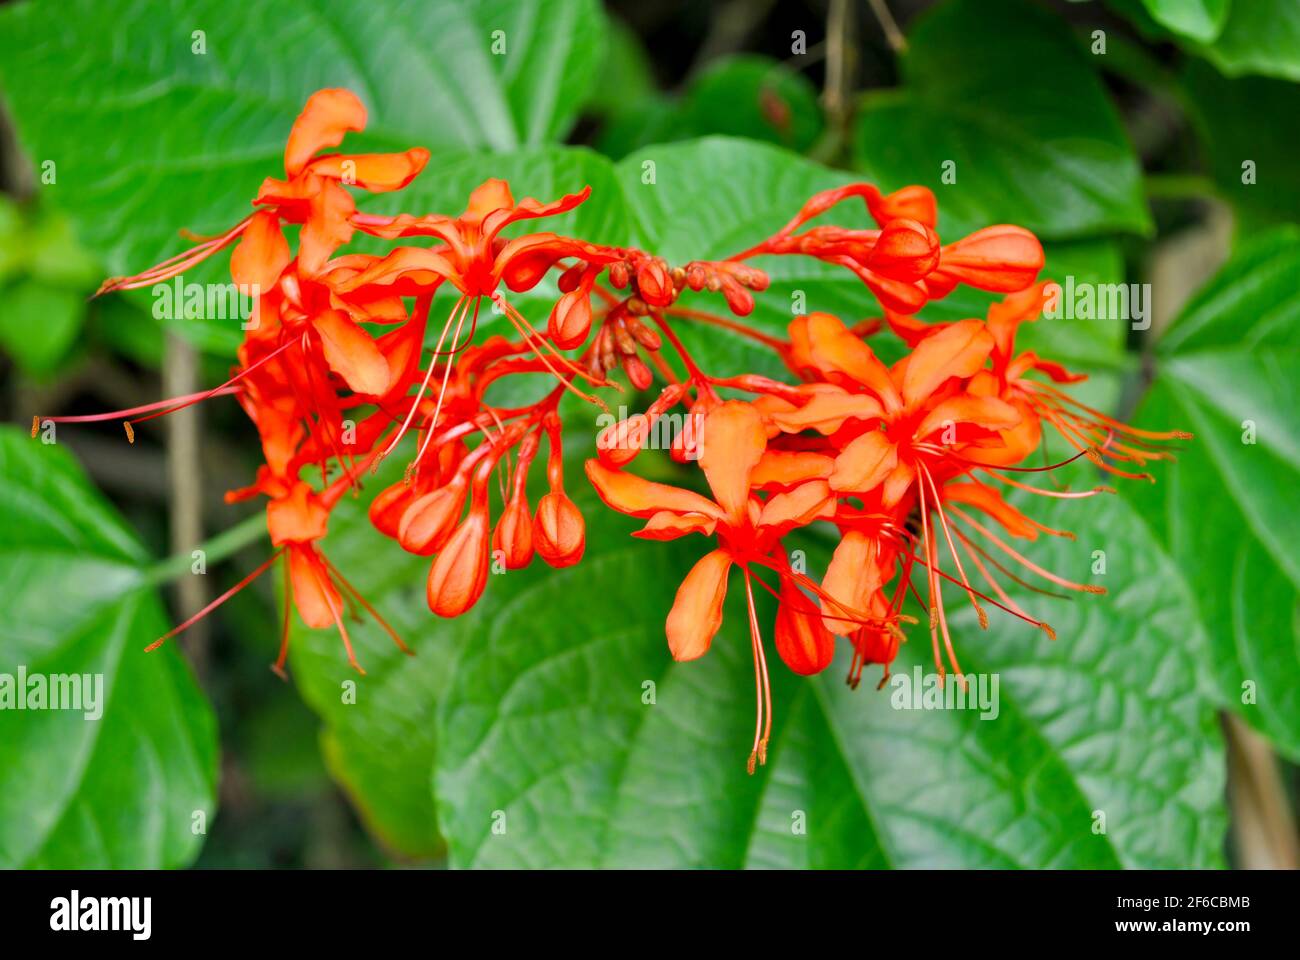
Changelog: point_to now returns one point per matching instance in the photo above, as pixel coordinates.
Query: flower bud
(906, 250)
(653, 281)
(637, 372)
(429, 521)
(514, 533)
(619, 443)
(387, 508)
(570, 320)
(802, 640)
(558, 530)
(460, 571)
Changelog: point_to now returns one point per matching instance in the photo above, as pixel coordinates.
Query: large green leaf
(75, 792)
(1200, 20)
(738, 96)
(1238, 125)
(1003, 91)
(1226, 372)
(550, 755)
(1260, 36)
(149, 137)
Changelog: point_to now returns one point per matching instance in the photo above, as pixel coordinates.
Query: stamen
(214, 604)
(1029, 564)
(424, 385)
(442, 391)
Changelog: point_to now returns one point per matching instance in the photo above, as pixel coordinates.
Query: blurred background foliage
(1116, 129)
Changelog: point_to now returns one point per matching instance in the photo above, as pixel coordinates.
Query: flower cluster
(907, 463)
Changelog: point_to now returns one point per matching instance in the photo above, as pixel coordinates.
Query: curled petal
(826, 412)
(696, 615)
(262, 252)
(778, 469)
(666, 525)
(638, 497)
(327, 117)
(376, 172)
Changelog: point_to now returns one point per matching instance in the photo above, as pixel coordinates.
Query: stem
(223, 545)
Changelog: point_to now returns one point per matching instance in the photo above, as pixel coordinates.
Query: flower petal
(834, 349)
(987, 412)
(261, 254)
(351, 353)
(799, 507)
(314, 594)
(851, 577)
(697, 612)
(784, 468)
(327, 117)
(638, 497)
(958, 350)
(666, 525)
(826, 412)
(376, 172)
(732, 442)
(865, 463)
(988, 500)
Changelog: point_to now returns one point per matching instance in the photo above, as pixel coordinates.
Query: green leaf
(625, 75)
(754, 97)
(1226, 372)
(39, 324)
(1261, 36)
(1049, 153)
(1239, 123)
(739, 96)
(551, 730)
(120, 791)
(149, 136)
(1200, 20)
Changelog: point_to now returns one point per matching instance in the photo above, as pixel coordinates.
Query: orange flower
(733, 448)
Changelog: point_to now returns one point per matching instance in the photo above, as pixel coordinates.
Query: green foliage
(78, 791)
(550, 727)
(741, 96)
(1012, 150)
(149, 136)
(1226, 511)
